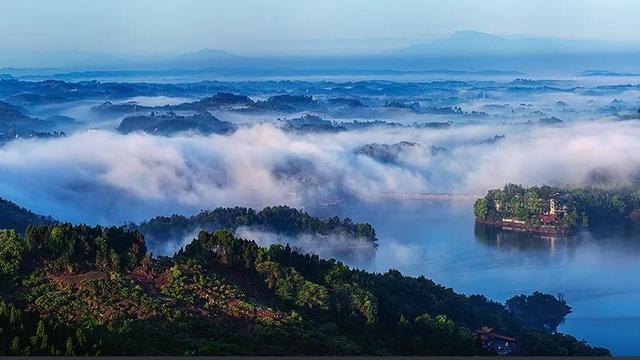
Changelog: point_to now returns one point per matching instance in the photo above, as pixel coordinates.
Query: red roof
(486, 333)
(505, 338)
(548, 218)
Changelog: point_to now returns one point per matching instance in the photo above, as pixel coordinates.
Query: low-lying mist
(334, 246)
(108, 178)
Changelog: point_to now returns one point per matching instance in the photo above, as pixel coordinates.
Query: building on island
(548, 219)
(501, 344)
(558, 205)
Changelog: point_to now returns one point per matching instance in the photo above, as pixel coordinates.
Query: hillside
(91, 290)
(15, 217)
(171, 123)
(13, 118)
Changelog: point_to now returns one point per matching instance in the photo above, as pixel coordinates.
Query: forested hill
(15, 217)
(280, 220)
(76, 290)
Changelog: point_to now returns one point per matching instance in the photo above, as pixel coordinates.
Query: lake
(598, 275)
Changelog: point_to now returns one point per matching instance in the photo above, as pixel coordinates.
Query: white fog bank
(104, 177)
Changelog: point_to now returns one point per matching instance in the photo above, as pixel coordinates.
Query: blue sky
(255, 26)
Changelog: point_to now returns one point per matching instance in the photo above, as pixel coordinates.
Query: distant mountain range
(248, 72)
(465, 52)
(71, 60)
(476, 43)
(606, 73)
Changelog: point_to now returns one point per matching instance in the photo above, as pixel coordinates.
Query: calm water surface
(599, 275)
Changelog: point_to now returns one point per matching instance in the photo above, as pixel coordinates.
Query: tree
(463, 342)
(60, 243)
(12, 247)
(481, 208)
(538, 310)
(312, 296)
(69, 348)
(15, 346)
(617, 204)
(114, 259)
(41, 337)
(533, 203)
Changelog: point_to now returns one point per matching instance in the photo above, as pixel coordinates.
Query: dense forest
(568, 208)
(76, 290)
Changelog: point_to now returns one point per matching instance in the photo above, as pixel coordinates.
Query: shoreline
(531, 229)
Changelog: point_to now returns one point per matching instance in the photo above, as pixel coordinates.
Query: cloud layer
(103, 177)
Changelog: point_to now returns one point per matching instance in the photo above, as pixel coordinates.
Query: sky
(156, 27)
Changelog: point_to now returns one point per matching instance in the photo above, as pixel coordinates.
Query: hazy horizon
(542, 37)
(466, 51)
(120, 34)
(236, 26)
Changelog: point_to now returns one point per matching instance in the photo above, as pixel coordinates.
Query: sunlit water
(597, 275)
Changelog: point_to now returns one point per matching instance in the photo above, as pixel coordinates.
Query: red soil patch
(77, 280)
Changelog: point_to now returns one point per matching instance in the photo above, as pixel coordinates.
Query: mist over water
(108, 178)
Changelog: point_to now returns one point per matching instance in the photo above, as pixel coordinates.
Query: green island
(280, 220)
(548, 210)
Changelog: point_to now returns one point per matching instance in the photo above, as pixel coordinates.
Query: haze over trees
(279, 220)
(171, 123)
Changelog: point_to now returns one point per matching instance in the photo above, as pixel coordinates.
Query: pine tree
(15, 346)
(41, 337)
(14, 315)
(70, 351)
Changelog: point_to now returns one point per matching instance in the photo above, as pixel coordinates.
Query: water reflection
(516, 240)
(626, 238)
(596, 270)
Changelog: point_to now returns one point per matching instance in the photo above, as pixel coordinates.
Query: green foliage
(12, 247)
(222, 295)
(278, 219)
(355, 303)
(584, 206)
(532, 342)
(26, 333)
(82, 247)
(538, 310)
(482, 208)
